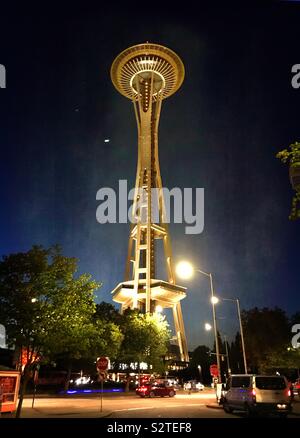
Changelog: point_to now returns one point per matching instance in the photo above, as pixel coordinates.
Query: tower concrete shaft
(147, 74)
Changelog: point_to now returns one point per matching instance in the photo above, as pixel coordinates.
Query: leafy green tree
(146, 338)
(85, 341)
(107, 312)
(45, 307)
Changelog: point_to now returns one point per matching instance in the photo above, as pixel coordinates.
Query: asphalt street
(196, 405)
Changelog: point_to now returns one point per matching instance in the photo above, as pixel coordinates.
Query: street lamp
(186, 270)
(207, 326)
(227, 355)
(214, 300)
(236, 300)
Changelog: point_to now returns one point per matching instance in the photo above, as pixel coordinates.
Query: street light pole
(200, 373)
(242, 335)
(214, 321)
(241, 329)
(227, 355)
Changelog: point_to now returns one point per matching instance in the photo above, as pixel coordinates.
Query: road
(196, 405)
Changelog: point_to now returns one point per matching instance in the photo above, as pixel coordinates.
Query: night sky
(235, 110)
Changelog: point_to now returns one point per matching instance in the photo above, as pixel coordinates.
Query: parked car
(193, 386)
(257, 394)
(296, 387)
(156, 390)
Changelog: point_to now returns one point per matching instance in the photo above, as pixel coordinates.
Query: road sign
(214, 370)
(102, 363)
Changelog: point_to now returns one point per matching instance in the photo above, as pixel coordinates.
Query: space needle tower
(147, 74)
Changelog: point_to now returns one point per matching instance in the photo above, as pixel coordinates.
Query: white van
(257, 394)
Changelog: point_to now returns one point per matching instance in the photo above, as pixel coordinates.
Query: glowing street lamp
(214, 300)
(185, 270)
(207, 327)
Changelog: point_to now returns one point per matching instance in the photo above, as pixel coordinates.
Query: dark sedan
(156, 390)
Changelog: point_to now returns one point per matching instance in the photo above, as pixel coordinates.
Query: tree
(107, 312)
(44, 308)
(266, 333)
(236, 355)
(95, 335)
(201, 357)
(86, 341)
(292, 156)
(146, 338)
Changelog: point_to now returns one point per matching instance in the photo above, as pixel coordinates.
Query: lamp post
(200, 373)
(227, 355)
(236, 300)
(208, 327)
(186, 270)
(214, 301)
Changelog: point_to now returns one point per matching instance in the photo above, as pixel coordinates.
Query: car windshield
(270, 383)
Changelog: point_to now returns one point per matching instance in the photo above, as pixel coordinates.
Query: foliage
(46, 309)
(295, 211)
(292, 155)
(236, 355)
(285, 358)
(145, 339)
(267, 332)
(107, 312)
(201, 357)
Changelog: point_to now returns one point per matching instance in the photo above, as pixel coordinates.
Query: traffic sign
(214, 370)
(102, 363)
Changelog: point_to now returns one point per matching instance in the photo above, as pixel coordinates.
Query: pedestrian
(189, 387)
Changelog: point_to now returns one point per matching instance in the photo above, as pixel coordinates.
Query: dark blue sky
(220, 131)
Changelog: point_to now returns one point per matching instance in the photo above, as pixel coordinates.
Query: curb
(214, 406)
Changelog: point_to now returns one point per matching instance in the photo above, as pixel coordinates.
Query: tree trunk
(68, 378)
(26, 377)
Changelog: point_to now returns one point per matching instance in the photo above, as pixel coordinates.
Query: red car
(296, 387)
(155, 390)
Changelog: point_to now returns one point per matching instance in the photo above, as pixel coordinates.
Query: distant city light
(107, 140)
(82, 380)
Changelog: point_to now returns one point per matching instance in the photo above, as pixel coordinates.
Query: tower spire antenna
(147, 74)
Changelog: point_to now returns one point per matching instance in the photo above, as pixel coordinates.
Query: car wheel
(151, 394)
(171, 394)
(249, 411)
(226, 407)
